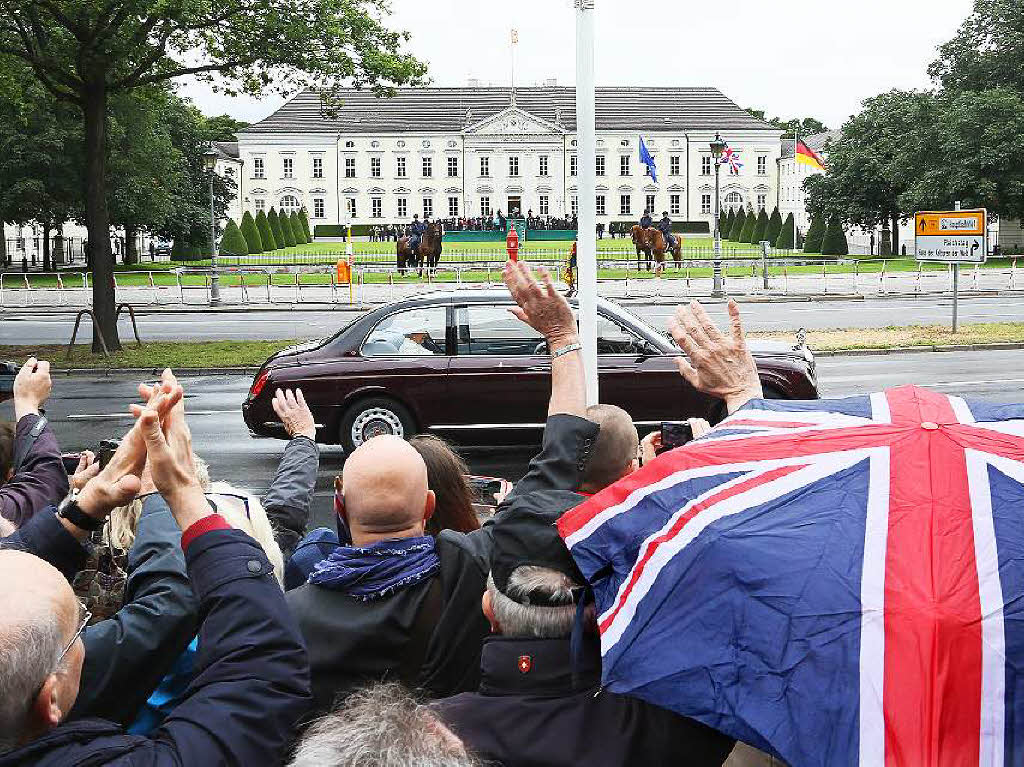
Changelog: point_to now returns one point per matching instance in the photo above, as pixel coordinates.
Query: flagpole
(796, 141)
(512, 47)
(586, 252)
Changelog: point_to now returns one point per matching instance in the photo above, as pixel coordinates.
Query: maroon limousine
(460, 365)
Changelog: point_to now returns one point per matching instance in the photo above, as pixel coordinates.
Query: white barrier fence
(245, 286)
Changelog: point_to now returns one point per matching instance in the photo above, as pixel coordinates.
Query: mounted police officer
(645, 220)
(418, 228)
(665, 227)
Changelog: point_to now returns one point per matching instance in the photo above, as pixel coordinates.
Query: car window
(612, 338)
(493, 330)
(412, 333)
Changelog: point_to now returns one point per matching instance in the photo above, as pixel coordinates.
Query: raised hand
(88, 468)
(291, 408)
(541, 306)
(32, 387)
(718, 364)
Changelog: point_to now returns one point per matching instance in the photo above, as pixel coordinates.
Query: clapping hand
(718, 364)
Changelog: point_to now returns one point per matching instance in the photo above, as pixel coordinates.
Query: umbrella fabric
(836, 582)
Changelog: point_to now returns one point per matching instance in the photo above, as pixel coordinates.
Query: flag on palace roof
(808, 156)
(648, 160)
(837, 582)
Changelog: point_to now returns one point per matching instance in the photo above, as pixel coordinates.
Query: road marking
(115, 416)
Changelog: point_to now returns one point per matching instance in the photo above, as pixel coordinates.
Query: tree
(815, 234)
(834, 241)
(297, 231)
(725, 226)
(86, 52)
(885, 243)
(233, 243)
(806, 126)
(785, 240)
(774, 227)
(253, 241)
(987, 52)
(749, 223)
(304, 220)
(266, 232)
(757, 234)
(736, 231)
(275, 226)
(222, 128)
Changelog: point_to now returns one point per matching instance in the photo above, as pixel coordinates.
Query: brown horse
(428, 253)
(651, 242)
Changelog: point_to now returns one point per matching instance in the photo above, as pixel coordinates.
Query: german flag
(807, 156)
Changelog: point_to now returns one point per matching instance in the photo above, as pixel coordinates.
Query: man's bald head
(385, 490)
(38, 616)
(615, 450)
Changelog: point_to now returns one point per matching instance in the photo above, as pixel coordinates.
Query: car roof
(471, 296)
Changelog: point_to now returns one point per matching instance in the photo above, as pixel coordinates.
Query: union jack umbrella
(835, 582)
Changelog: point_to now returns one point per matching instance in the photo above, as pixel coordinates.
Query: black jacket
(44, 536)
(39, 478)
(353, 643)
(251, 686)
(529, 713)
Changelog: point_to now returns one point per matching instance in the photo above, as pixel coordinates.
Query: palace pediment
(513, 121)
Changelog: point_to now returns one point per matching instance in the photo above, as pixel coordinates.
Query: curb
(920, 350)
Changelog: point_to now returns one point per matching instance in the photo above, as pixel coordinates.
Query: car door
(499, 378)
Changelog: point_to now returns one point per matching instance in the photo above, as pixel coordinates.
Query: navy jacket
(665, 226)
(646, 221)
(40, 480)
(252, 681)
(44, 536)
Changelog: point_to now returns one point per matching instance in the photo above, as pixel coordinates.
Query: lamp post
(210, 163)
(717, 150)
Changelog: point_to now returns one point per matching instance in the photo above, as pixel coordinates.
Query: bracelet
(566, 350)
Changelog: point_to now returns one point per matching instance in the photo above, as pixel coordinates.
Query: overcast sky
(789, 57)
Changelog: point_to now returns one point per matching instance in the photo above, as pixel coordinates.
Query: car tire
(371, 417)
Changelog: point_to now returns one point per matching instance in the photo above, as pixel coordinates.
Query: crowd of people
(152, 614)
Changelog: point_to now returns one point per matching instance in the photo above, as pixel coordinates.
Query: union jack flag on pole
(731, 158)
(835, 582)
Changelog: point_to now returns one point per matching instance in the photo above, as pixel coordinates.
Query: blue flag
(646, 159)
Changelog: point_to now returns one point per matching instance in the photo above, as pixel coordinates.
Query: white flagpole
(586, 251)
(796, 141)
(515, 39)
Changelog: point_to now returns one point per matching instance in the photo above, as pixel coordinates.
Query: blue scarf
(379, 570)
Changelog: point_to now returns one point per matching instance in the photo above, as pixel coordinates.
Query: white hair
(534, 621)
(383, 726)
(29, 652)
(257, 525)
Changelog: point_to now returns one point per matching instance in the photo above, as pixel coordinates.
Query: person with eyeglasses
(252, 684)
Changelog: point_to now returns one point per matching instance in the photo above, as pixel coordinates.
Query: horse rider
(645, 220)
(665, 227)
(418, 228)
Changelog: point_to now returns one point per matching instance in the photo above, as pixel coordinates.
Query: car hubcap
(374, 422)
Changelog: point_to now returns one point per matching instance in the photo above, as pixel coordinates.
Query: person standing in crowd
(32, 474)
(446, 477)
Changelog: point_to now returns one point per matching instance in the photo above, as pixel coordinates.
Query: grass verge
(214, 354)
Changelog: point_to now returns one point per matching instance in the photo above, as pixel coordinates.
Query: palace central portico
(467, 152)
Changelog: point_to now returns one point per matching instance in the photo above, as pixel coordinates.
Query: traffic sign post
(952, 237)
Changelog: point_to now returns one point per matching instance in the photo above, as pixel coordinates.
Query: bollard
(1013, 270)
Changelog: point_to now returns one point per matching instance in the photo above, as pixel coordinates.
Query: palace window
(624, 165)
(762, 165)
(574, 205)
(650, 203)
(428, 207)
(350, 167)
(257, 167)
(485, 205)
(762, 201)
(289, 203)
(485, 166)
(400, 171)
(542, 163)
(350, 204)
(403, 207)
(453, 167)
(542, 205)
(428, 167)
(318, 167)
(376, 207)
(600, 165)
(599, 204)
(513, 166)
(625, 204)
(705, 166)
(572, 165)
(318, 207)
(288, 164)
(705, 204)
(673, 165)
(453, 207)
(375, 167)
(259, 204)
(733, 201)
(673, 205)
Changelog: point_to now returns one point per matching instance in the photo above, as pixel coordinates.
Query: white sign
(956, 237)
(953, 249)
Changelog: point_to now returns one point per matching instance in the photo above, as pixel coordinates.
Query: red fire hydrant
(512, 244)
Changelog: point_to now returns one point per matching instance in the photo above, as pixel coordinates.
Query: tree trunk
(895, 235)
(97, 219)
(47, 261)
(3, 246)
(131, 251)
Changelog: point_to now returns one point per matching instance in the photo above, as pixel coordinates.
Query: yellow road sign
(950, 223)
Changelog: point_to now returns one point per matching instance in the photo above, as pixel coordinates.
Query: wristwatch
(70, 510)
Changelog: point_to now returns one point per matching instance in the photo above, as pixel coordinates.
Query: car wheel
(372, 417)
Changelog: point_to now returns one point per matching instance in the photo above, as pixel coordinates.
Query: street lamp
(717, 150)
(210, 163)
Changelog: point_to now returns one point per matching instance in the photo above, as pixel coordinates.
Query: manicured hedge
(760, 228)
(815, 235)
(738, 225)
(774, 227)
(834, 242)
(267, 238)
(304, 220)
(233, 243)
(785, 239)
(275, 226)
(251, 233)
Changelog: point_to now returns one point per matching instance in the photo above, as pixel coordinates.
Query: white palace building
(472, 151)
